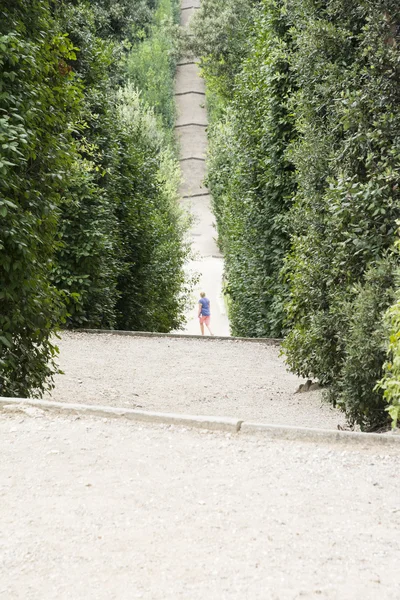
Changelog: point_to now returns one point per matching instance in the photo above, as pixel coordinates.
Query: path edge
(266, 341)
(110, 412)
(292, 433)
(211, 423)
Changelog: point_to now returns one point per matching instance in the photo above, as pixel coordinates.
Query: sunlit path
(192, 135)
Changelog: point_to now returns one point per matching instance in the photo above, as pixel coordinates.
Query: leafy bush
(363, 347)
(86, 269)
(123, 19)
(90, 230)
(151, 227)
(346, 65)
(220, 34)
(106, 263)
(152, 62)
(304, 170)
(390, 382)
(252, 181)
(38, 97)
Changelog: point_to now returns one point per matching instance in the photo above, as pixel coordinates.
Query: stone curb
(191, 125)
(317, 435)
(189, 92)
(203, 422)
(197, 421)
(266, 341)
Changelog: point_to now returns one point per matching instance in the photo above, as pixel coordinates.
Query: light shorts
(204, 320)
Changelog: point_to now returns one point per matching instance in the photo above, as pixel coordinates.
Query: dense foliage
(37, 101)
(86, 268)
(221, 31)
(252, 180)
(344, 220)
(151, 67)
(90, 226)
(390, 383)
(128, 20)
(151, 227)
(304, 170)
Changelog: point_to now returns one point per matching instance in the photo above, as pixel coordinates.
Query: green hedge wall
(91, 234)
(37, 101)
(346, 63)
(252, 180)
(304, 171)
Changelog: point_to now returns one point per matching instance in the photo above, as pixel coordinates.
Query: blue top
(205, 307)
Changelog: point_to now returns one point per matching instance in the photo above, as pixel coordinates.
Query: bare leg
(209, 329)
(202, 328)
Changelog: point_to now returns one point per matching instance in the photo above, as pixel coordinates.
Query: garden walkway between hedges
(109, 509)
(192, 136)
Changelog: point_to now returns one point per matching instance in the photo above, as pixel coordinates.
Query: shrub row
(91, 232)
(304, 171)
(38, 101)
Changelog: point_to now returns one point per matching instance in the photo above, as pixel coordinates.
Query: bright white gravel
(93, 509)
(229, 378)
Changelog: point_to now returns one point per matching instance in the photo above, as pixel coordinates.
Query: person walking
(204, 313)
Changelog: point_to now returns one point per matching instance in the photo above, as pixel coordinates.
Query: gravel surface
(94, 509)
(246, 380)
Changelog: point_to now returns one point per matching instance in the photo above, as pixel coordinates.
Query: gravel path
(207, 263)
(229, 378)
(107, 510)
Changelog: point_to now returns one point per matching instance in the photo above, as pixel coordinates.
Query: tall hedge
(117, 183)
(347, 161)
(86, 267)
(150, 223)
(304, 171)
(252, 180)
(390, 382)
(151, 65)
(221, 29)
(91, 233)
(38, 99)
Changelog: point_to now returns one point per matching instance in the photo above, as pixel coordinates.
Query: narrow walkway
(191, 131)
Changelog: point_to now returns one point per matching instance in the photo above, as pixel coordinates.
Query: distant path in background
(191, 132)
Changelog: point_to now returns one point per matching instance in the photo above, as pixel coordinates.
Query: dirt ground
(93, 509)
(228, 378)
